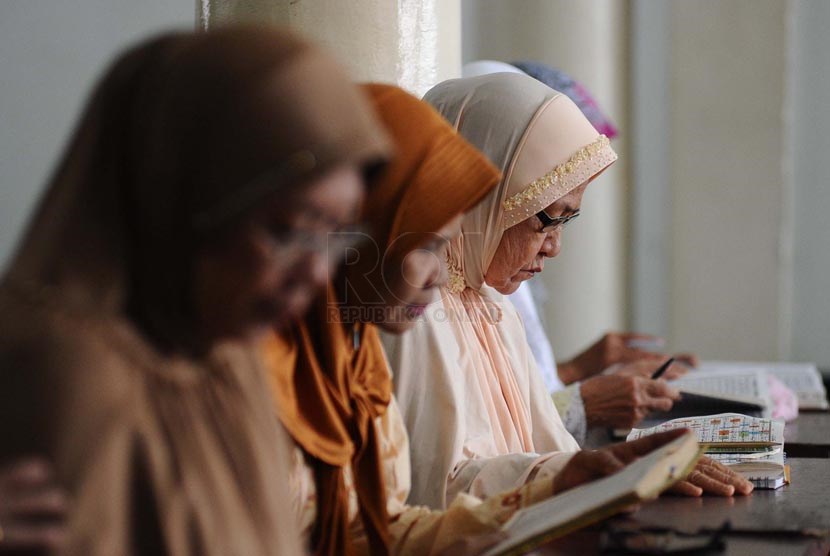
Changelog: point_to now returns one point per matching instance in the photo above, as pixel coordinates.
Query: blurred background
(712, 228)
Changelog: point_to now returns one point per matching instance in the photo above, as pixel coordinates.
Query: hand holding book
(589, 465)
(597, 485)
(707, 476)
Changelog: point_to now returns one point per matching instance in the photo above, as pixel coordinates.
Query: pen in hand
(663, 368)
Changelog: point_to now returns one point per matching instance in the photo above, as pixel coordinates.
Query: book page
(748, 385)
(722, 428)
(802, 378)
(768, 466)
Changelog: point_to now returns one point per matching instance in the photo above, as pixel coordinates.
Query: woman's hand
(711, 477)
(32, 508)
(609, 350)
(588, 465)
(621, 402)
(616, 348)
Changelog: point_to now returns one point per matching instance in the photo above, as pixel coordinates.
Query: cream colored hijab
(540, 140)
(466, 370)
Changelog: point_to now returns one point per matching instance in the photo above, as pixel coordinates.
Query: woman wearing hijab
(185, 219)
(590, 404)
(466, 369)
(330, 377)
(608, 385)
(351, 474)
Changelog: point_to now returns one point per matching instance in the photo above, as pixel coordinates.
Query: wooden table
(766, 522)
(808, 436)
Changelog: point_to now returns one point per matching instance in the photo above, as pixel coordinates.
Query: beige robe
(159, 456)
(457, 444)
(464, 528)
(162, 452)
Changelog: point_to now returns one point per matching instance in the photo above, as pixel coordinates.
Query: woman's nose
(552, 244)
(319, 267)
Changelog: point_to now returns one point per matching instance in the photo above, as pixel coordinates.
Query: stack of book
(754, 447)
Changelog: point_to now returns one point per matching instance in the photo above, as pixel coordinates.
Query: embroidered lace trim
(585, 162)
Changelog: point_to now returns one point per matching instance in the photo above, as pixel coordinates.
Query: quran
(703, 392)
(802, 378)
(641, 480)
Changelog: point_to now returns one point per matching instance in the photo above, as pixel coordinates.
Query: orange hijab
(330, 379)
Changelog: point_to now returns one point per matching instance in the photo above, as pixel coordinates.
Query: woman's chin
(513, 284)
(397, 326)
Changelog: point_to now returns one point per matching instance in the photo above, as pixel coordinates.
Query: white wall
(588, 39)
(50, 54)
(729, 180)
(651, 193)
(736, 107)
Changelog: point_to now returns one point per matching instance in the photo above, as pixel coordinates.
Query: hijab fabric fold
(330, 378)
(328, 394)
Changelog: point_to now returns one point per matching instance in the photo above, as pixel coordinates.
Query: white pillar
(810, 145)
(586, 38)
(412, 43)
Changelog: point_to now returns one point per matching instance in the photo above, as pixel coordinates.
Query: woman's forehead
(569, 202)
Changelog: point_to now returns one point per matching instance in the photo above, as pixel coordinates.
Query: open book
(753, 447)
(710, 391)
(802, 378)
(578, 507)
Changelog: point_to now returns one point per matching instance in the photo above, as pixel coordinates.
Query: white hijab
(465, 378)
(486, 67)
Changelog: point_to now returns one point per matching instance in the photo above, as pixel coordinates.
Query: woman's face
(266, 270)
(523, 248)
(395, 293)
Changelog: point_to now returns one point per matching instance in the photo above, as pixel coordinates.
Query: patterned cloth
(562, 82)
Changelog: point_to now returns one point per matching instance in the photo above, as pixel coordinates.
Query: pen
(659, 372)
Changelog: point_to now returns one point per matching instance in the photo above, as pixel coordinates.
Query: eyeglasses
(550, 224)
(333, 244)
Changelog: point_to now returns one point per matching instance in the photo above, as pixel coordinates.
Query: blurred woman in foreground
(189, 215)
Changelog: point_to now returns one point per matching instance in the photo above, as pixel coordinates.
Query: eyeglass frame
(331, 242)
(550, 224)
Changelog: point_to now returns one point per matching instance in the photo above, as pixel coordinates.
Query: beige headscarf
(467, 369)
(166, 449)
(540, 140)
